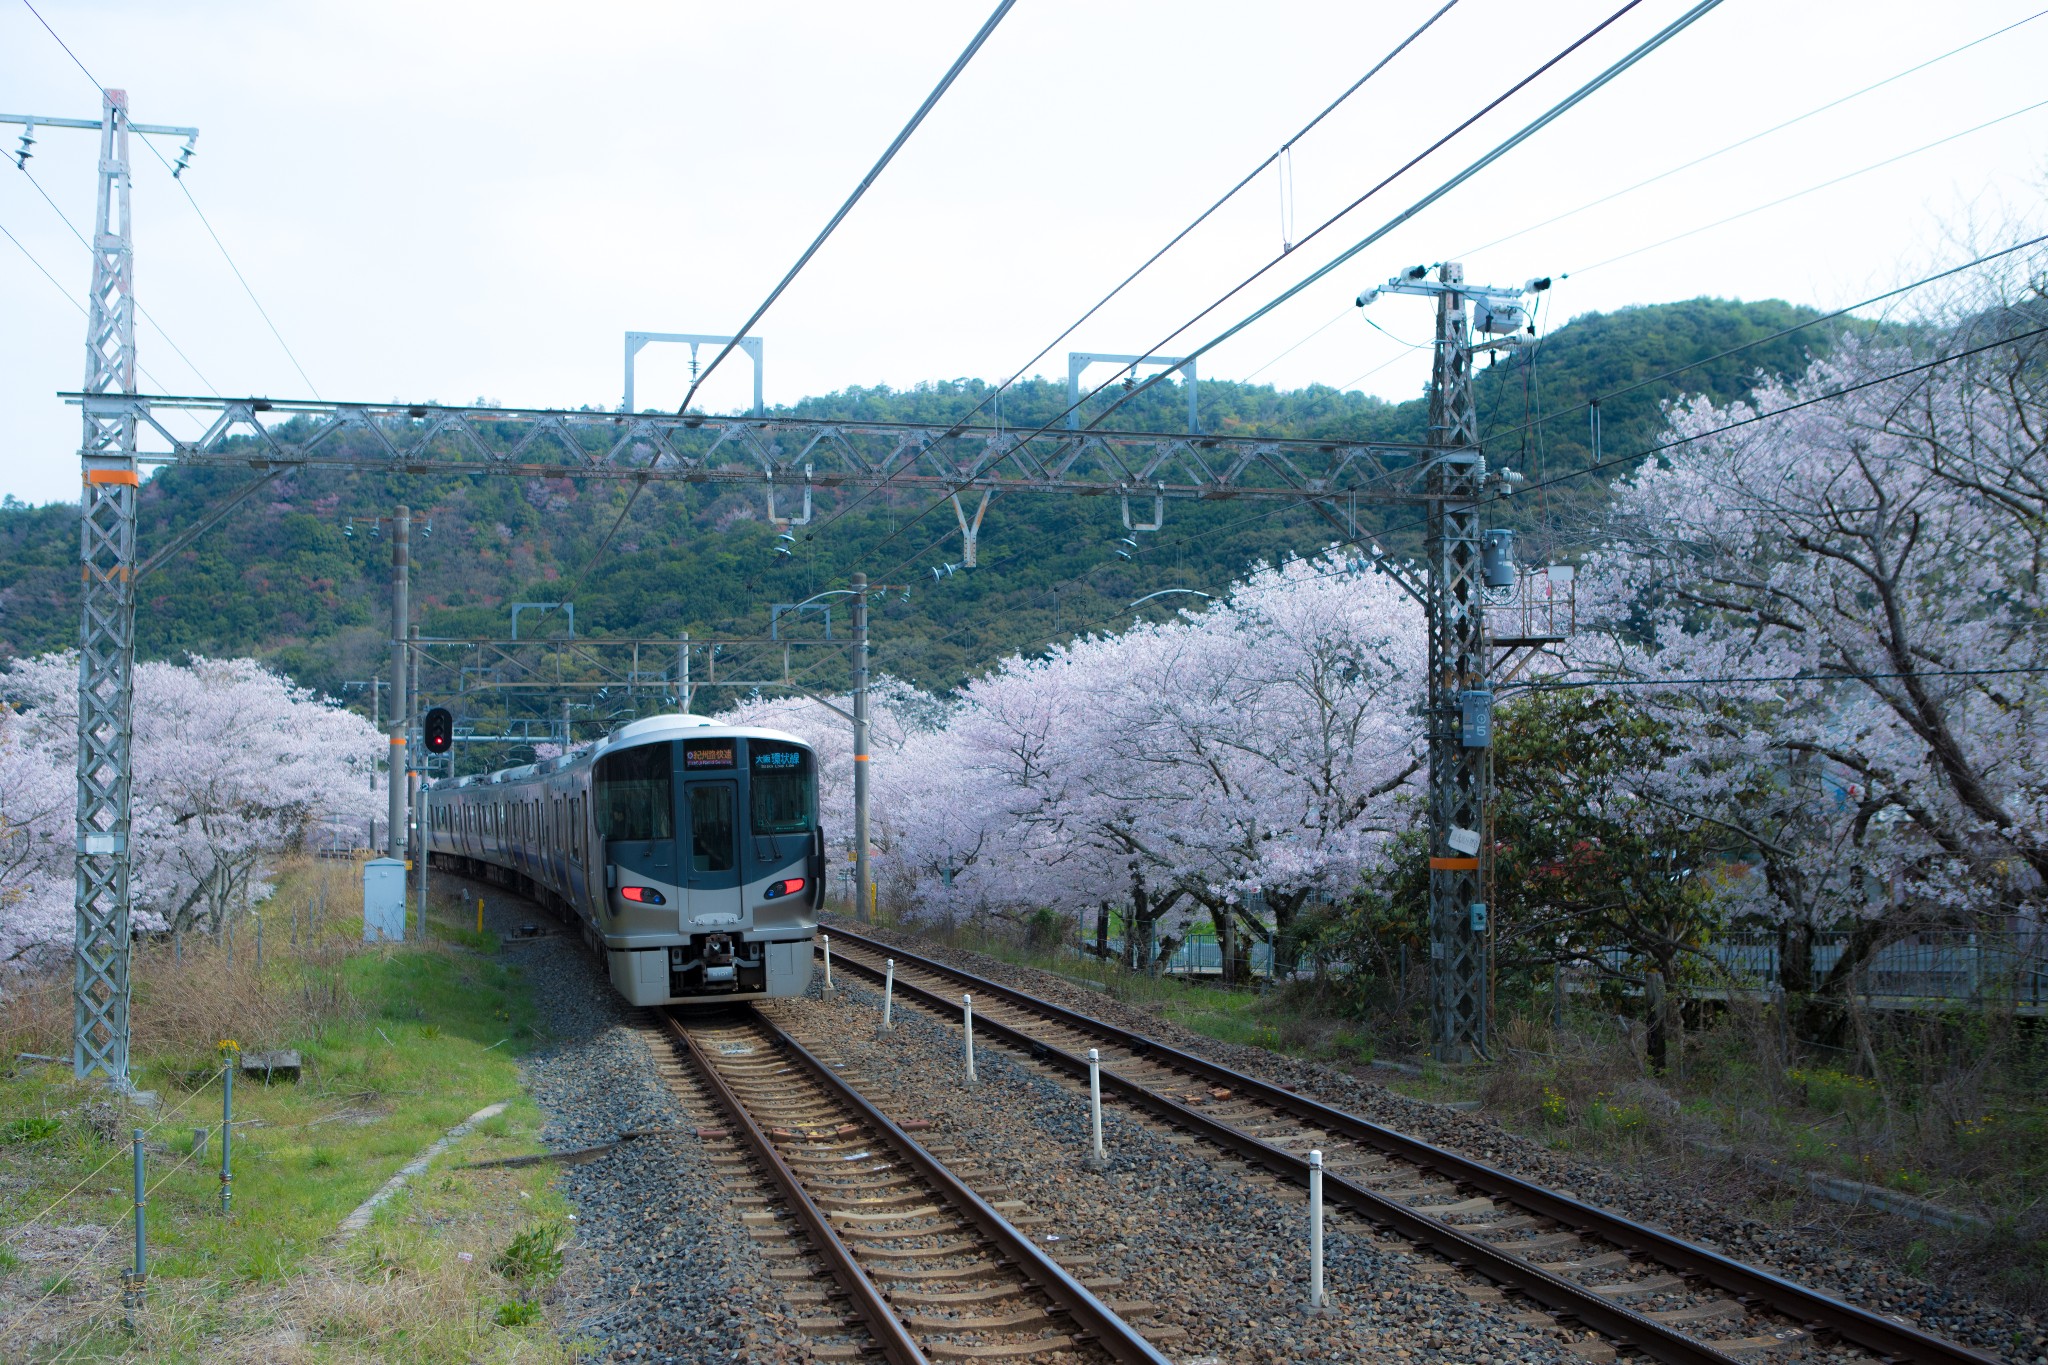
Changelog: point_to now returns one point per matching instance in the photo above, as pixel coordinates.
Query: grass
(399, 1044)
(1289, 1020)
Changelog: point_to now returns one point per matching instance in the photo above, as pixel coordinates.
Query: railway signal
(439, 727)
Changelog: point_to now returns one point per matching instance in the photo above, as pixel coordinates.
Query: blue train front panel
(692, 853)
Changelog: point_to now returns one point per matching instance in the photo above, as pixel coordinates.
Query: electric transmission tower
(106, 659)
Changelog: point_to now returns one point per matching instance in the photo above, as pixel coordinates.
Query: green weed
(34, 1129)
(518, 1313)
(534, 1254)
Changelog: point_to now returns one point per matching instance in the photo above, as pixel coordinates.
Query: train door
(710, 819)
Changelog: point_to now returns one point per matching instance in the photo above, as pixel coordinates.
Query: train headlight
(646, 895)
(787, 887)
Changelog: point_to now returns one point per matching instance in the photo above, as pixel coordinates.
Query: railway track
(920, 1267)
(1558, 1259)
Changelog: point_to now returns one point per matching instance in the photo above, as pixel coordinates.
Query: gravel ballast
(1221, 1252)
(1691, 1201)
(661, 1269)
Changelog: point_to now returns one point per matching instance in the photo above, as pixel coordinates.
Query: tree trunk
(1226, 942)
(1102, 930)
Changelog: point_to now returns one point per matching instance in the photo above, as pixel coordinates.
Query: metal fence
(1196, 956)
(1980, 967)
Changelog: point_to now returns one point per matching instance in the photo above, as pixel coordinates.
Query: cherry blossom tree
(36, 794)
(1838, 610)
(232, 764)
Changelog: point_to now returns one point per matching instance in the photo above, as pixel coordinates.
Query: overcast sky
(446, 202)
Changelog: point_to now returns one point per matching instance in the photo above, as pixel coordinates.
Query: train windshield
(634, 792)
(784, 799)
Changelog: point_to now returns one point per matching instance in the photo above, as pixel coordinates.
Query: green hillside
(281, 580)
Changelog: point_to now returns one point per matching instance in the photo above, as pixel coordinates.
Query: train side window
(634, 793)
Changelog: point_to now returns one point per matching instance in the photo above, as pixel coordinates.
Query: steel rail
(1096, 1320)
(888, 1330)
(1748, 1285)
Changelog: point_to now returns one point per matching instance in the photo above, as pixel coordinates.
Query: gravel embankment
(1222, 1255)
(1703, 1200)
(660, 1269)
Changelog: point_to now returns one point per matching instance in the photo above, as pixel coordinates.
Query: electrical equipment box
(1495, 316)
(1479, 917)
(1497, 558)
(384, 901)
(1476, 719)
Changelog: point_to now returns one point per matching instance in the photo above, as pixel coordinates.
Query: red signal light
(788, 887)
(646, 895)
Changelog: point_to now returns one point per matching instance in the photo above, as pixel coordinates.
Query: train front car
(713, 859)
(689, 853)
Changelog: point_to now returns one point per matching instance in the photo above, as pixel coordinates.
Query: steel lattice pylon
(106, 660)
(1458, 775)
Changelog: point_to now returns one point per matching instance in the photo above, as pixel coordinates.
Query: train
(687, 853)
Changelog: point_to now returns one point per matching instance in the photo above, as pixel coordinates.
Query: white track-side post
(826, 939)
(1097, 1157)
(1317, 1301)
(967, 1021)
(888, 993)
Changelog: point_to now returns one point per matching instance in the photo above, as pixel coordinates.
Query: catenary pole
(106, 659)
(1458, 774)
(864, 905)
(401, 711)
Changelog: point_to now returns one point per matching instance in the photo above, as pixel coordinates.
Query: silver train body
(689, 853)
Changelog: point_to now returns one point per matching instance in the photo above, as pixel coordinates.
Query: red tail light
(646, 895)
(788, 887)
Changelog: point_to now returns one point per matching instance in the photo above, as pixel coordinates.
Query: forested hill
(280, 580)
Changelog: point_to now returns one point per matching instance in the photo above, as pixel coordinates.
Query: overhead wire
(229, 257)
(186, 189)
(1781, 333)
(68, 296)
(995, 395)
(1528, 131)
(1753, 137)
(1537, 423)
(162, 331)
(930, 101)
(1810, 189)
(1659, 447)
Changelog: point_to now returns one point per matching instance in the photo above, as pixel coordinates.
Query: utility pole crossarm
(154, 129)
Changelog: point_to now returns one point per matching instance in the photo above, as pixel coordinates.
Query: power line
(1529, 130)
(187, 190)
(61, 43)
(1753, 137)
(228, 256)
(1778, 335)
(169, 341)
(1172, 242)
(68, 297)
(1810, 189)
(931, 100)
(1536, 423)
(1842, 676)
(45, 273)
(1680, 441)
